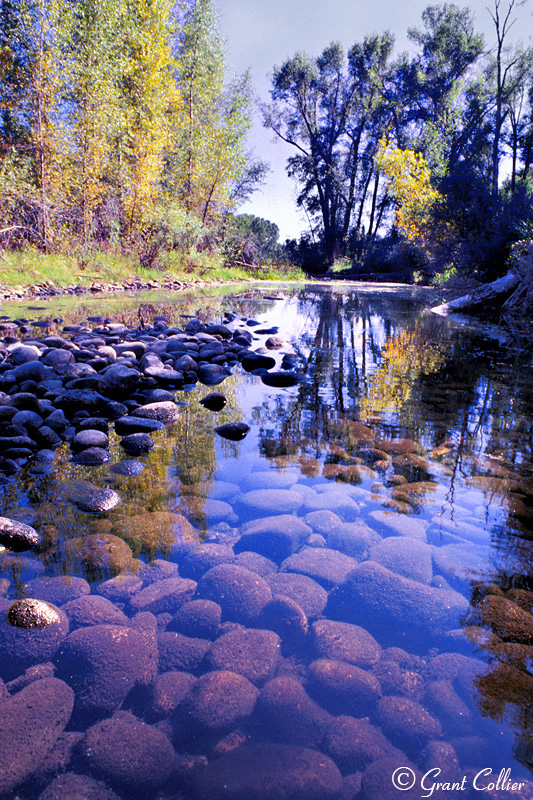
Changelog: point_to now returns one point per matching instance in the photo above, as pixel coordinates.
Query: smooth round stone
(211, 374)
(345, 642)
(240, 593)
(32, 613)
(158, 531)
(214, 401)
(93, 610)
(165, 411)
(137, 443)
(103, 663)
(276, 537)
(164, 596)
(102, 552)
(179, 652)
(92, 457)
(290, 715)
(343, 688)
(89, 438)
(17, 536)
(196, 561)
(94, 424)
(253, 361)
(234, 431)
(164, 376)
(31, 722)
(353, 744)
(408, 557)
(270, 772)
(406, 723)
(285, 617)
(58, 589)
(197, 618)
(77, 787)
(121, 588)
(270, 479)
(306, 592)
(128, 752)
(92, 499)
(282, 380)
(249, 652)
(30, 633)
(166, 693)
(218, 700)
(271, 501)
(327, 567)
(128, 467)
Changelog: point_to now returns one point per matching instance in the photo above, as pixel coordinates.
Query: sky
(261, 34)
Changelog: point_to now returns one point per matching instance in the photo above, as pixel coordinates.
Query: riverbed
(334, 603)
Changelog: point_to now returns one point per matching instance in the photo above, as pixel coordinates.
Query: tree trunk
(481, 295)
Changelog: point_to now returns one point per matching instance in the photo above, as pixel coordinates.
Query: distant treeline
(116, 127)
(417, 140)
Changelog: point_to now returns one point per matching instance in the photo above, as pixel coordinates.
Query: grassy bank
(31, 268)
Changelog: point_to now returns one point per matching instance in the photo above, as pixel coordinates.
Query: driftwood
(482, 294)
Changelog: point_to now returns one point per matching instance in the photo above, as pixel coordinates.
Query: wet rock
(217, 701)
(327, 567)
(161, 532)
(333, 500)
(286, 618)
(376, 783)
(164, 596)
(271, 501)
(276, 537)
(92, 457)
(234, 431)
(240, 593)
(390, 524)
(443, 700)
(408, 557)
(31, 722)
(166, 693)
(198, 560)
(76, 787)
(128, 753)
(157, 570)
(249, 652)
(255, 563)
(137, 443)
(270, 479)
(102, 663)
(252, 361)
(16, 536)
(165, 411)
(353, 744)
(127, 467)
(93, 610)
(58, 589)
(182, 653)
(215, 401)
(270, 772)
(309, 595)
(282, 380)
(197, 618)
(124, 426)
(386, 600)
(290, 715)
(30, 633)
(120, 380)
(89, 438)
(92, 499)
(341, 687)
(461, 563)
(100, 552)
(345, 642)
(211, 374)
(407, 724)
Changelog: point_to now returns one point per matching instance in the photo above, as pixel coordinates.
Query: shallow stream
(340, 596)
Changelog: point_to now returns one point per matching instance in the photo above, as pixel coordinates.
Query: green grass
(30, 267)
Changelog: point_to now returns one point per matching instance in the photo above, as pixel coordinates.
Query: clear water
(424, 424)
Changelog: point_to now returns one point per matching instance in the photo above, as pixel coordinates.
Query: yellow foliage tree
(410, 186)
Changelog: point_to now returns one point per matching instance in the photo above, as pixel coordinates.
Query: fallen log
(482, 294)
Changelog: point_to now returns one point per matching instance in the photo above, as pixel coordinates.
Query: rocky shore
(300, 650)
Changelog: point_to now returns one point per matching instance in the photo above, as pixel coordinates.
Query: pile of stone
(70, 387)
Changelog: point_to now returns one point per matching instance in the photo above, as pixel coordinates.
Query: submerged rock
(30, 633)
(93, 499)
(240, 593)
(270, 772)
(31, 722)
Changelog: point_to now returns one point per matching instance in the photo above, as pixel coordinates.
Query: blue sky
(261, 34)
